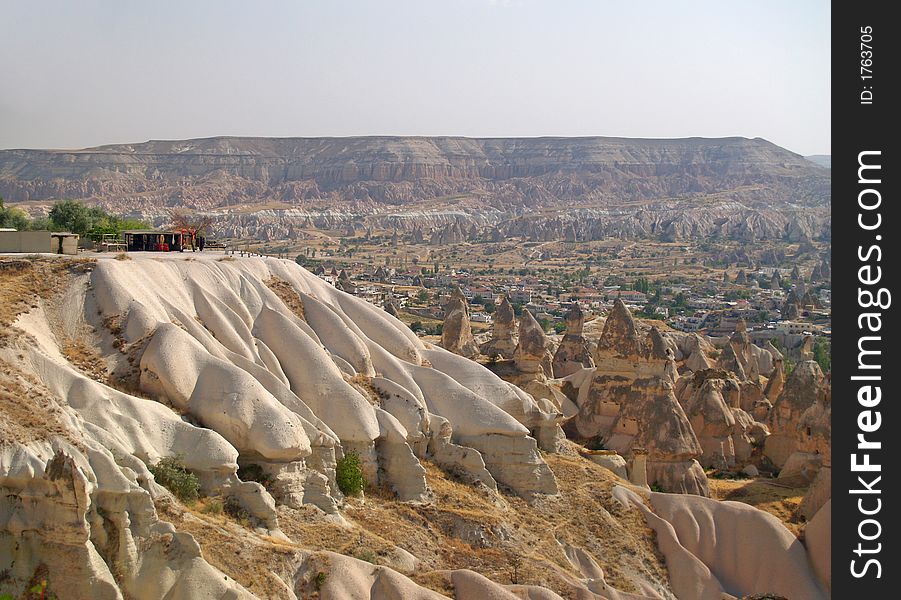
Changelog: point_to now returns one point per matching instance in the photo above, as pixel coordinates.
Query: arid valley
(413, 367)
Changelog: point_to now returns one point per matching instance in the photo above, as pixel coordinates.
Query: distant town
(780, 290)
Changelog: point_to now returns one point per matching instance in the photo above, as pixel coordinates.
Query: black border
(858, 127)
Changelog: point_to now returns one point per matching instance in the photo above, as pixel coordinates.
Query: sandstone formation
(532, 354)
(502, 343)
(314, 165)
(754, 552)
(806, 389)
(628, 401)
(818, 540)
(696, 349)
(776, 280)
(791, 308)
(497, 184)
(391, 307)
(573, 352)
(776, 381)
(221, 372)
(727, 434)
(456, 333)
(746, 360)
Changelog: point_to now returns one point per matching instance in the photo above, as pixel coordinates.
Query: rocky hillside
(824, 160)
(363, 173)
(180, 427)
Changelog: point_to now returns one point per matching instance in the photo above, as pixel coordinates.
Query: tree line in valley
(71, 216)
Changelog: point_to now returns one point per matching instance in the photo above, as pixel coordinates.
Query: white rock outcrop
(715, 548)
(221, 372)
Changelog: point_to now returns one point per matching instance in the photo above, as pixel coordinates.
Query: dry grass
(28, 410)
(24, 282)
(467, 528)
(504, 538)
(363, 384)
(765, 494)
(250, 559)
(86, 358)
(288, 295)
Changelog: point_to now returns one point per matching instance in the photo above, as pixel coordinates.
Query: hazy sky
(77, 74)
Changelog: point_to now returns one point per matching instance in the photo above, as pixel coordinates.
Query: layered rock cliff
(329, 181)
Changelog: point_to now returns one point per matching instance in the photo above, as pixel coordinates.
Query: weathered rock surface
(222, 372)
(533, 353)
(573, 353)
(297, 168)
(727, 434)
(800, 419)
(753, 189)
(456, 333)
(93, 528)
(746, 360)
(629, 402)
(502, 343)
(754, 553)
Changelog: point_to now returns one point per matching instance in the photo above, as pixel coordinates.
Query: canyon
(538, 188)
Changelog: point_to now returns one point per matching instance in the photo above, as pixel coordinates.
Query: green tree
(72, 216)
(171, 473)
(822, 353)
(349, 474)
(13, 217)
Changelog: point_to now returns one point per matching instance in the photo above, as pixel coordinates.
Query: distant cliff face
(366, 173)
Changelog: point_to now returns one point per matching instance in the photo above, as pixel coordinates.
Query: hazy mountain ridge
(824, 160)
(362, 173)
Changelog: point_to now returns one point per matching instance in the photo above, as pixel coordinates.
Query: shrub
(172, 474)
(366, 556)
(237, 512)
(822, 353)
(349, 474)
(320, 579)
(214, 506)
(254, 472)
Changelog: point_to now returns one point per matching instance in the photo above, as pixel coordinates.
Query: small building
(520, 295)
(796, 327)
(151, 240)
(64, 243)
(34, 242)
